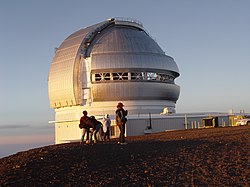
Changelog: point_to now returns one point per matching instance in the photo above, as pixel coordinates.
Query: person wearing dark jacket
(120, 117)
(85, 124)
(97, 126)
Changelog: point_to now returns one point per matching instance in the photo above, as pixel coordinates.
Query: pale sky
(209, 40)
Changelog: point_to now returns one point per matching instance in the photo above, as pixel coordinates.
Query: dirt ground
(200, 157)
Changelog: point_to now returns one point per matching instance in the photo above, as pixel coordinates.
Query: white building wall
(67, 124)
(67, 132)
(138, 126)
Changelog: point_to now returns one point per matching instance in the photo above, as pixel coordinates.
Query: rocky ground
(201, 157)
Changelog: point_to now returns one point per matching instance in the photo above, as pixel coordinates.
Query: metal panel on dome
(133, 60)
(135, 91)
(63, 85)
(124, 39)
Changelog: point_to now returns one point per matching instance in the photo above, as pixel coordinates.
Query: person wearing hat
(120, 117)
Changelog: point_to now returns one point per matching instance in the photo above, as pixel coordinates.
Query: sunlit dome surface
(115, 60)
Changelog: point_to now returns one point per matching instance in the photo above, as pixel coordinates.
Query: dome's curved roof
(125, 39)
(123, 47)
(112, 44)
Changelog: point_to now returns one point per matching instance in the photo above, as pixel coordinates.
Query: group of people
(92, 127)
(101, 130)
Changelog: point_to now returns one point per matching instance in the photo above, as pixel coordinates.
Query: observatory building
(106, 63)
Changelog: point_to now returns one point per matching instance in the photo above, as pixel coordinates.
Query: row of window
(143, 76)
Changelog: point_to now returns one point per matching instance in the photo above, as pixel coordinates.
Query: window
(98, 77)
(115, 76)
(105, 76)
(135, 76)
(151, 76)
(120, 76)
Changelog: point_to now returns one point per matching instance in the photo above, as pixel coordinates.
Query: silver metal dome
(115, 60)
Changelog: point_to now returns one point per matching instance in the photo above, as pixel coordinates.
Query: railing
(132, 20)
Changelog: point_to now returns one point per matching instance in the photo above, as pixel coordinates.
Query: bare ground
(200, 157)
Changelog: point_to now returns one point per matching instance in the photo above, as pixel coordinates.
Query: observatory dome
(112, 61)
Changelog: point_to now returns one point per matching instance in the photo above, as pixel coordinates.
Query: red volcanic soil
(201, 157)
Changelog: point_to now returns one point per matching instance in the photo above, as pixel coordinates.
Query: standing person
(106, 127)
(84, 124)
(120, 117)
